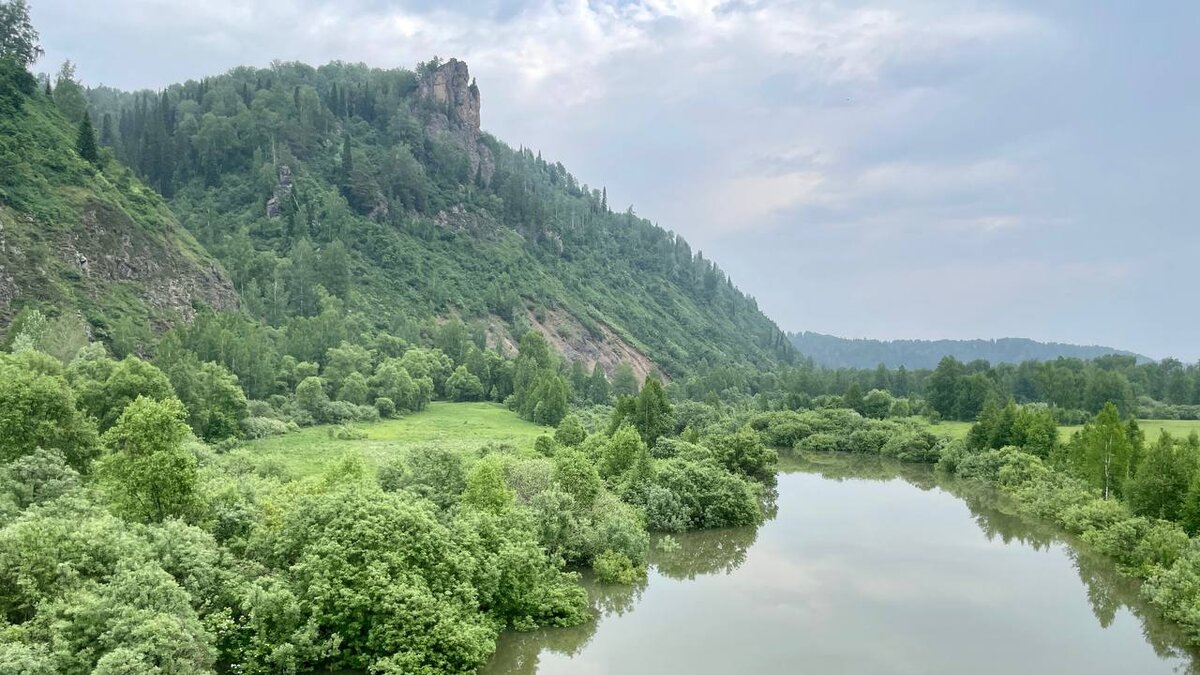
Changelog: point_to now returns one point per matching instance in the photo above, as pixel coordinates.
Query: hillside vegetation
(377, 188)
(86, 239)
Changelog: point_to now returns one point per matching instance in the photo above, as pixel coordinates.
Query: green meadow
(457, 426)
(1178, 428)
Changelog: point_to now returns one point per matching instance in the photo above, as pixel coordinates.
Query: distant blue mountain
(835, 352)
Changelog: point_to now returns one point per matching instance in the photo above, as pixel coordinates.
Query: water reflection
(861, 578)
(1108, 591)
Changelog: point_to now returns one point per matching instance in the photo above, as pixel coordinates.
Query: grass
(1177, 428)
(464, 427)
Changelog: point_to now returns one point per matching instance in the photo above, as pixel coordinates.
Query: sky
(915, 169)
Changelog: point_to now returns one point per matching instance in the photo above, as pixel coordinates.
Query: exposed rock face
(105, 257)
(570, 338)
(283, 190)
(450, 87)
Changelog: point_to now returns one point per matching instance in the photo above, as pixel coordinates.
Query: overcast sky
(868, 169)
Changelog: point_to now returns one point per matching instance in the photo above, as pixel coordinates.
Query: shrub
(385, 406)
(347, 433)
(263, 427)
(616, 568)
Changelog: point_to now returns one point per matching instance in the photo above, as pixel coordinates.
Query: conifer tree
(86, 143)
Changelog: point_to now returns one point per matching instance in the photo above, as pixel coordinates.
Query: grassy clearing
(457, 426)
(1177, 428)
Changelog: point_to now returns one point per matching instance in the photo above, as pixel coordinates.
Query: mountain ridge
(376, 189)
(838, 352)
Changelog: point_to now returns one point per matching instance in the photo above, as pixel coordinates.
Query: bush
(347, 433)
(616, 568)
(386, 407)
(263, 427)
(820, 442)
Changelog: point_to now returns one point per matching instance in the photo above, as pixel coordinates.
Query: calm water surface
(868, 567)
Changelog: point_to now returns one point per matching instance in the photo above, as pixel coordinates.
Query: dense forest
(376, 188)
(836, 352)
(276, 252)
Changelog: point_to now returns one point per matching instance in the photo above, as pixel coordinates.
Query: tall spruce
(86, 141)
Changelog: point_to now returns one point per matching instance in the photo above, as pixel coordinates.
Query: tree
(653, 415)
(598, 390)
(624, 382)
(147, 473)
(570, 431)
(215, 403)
(1102, 452)
(68, 94)
(942, 388)
(745, 454)
(1163, 476)
(486, 489)
(550, 403)
(39, 411)
(127, 380)
(463, 386)
(853, 398)
(18, 38)
(354, 389)
(312, 399)
(621, 452)
(86, 142)
(877, 404)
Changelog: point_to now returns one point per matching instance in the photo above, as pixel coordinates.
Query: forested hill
(373, 195)
(79, 234)
(836, 352)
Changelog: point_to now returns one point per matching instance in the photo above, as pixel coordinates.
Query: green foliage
(147, 473)
(621, 452)
(37, 477)
(124, 381)
(1104, 453)
(464, 386)
(410, 608)
(486, 488)
(570, 431)
(312, 399)
(216, 404)
(39, 411)
(86, 144)
(1160, 484)
(433, 473)
(18, 38)
(613, 567)
(744, 454)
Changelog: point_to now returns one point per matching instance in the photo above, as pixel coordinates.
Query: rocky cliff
(454, 100)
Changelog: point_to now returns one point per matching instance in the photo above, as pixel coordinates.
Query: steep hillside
(378, 190)
(78, 237)
(836, 352)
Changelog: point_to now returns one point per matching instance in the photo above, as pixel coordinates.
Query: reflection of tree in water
(520, 653)
(705, 552)
(613, 598)
(1108, 591)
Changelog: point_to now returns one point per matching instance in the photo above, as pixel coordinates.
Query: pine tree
(86, 144)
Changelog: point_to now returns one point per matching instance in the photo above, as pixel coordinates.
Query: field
(1178, 428)
(458, 426)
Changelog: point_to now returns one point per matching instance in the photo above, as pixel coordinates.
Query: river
(868, 567)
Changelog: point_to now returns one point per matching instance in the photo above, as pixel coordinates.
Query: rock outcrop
(283, 190)
(455, 111)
